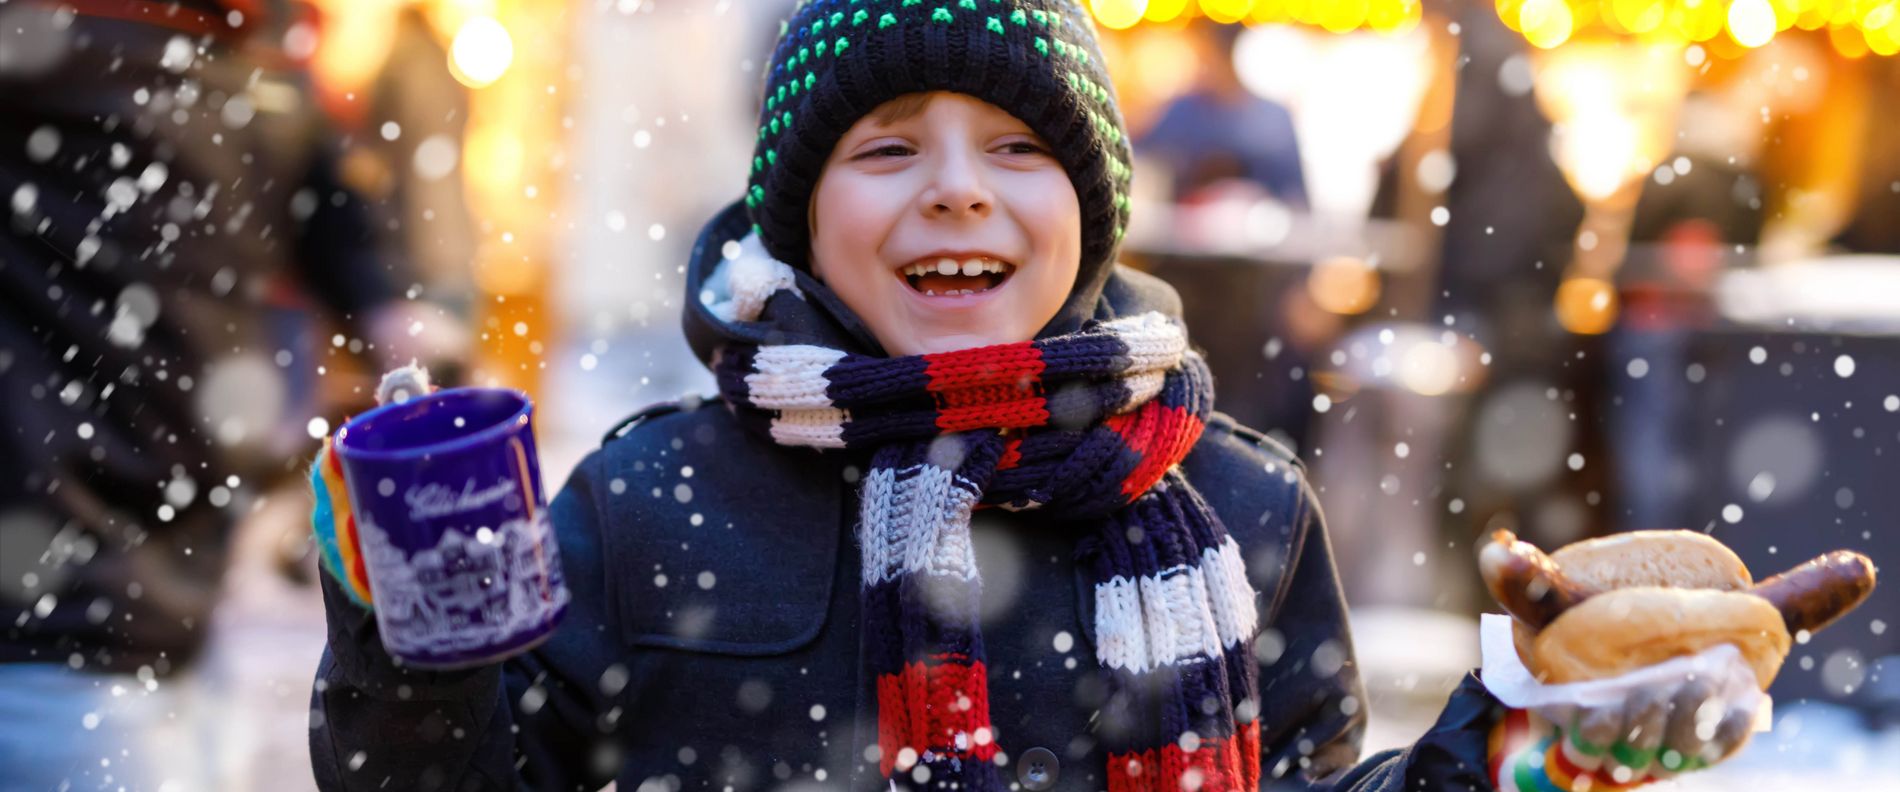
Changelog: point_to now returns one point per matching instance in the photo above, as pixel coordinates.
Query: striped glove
(1656, 732)
(332, 524)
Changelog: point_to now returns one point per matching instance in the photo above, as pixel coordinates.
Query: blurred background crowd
(1563, 267)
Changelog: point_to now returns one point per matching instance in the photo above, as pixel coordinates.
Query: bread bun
(1672, 559)
(1620, 631)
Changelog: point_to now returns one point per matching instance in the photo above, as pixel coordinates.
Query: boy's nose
(956, 189)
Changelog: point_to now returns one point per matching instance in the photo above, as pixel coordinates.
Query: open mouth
(943, 277)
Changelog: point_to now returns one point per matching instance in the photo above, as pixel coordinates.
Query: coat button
(1038, 769)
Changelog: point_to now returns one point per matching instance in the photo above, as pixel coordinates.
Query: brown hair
(901, 108)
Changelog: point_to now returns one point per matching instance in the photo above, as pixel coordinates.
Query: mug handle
(527, 492)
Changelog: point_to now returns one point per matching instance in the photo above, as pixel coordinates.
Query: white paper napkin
(1511, 683)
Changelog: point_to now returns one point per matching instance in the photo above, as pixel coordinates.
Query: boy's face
(959, 195)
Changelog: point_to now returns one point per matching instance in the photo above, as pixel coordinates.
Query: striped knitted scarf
(1088, 427)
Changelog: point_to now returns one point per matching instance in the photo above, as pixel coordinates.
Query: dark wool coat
(713, 639)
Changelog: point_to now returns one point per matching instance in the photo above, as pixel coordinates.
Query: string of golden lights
(1339, 16)
(1854, 27)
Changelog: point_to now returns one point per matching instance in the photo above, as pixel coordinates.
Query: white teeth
(930, 292)
(948, 266)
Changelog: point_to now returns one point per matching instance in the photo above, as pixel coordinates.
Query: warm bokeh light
(481, 52)
(355, 43)
(1118, 14)
(1637, 16)
(1338, 16)
(1855, 27)
(1546, 23)
(1613, 107)
(1586, 306)
(1226, 11)
(1164, 10)
(1156, 59)
(1345, 285)
(1751, 22)
(1429, 368)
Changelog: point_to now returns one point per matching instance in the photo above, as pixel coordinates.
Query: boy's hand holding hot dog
(1605, 613)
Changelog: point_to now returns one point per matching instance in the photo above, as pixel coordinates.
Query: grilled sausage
(1813, 595)
(1526, 582)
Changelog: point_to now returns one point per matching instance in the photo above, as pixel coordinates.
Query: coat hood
(775, 303)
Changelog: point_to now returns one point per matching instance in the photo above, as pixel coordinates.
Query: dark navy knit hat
(837, 60)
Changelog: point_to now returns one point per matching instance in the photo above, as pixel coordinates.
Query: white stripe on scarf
(1179, 615)
(920, 525)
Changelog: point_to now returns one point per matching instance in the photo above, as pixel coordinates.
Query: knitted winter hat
(837, 60)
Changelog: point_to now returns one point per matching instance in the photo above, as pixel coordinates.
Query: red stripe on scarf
(1018, 366)
(1224, 764)
(994, 386)
(1012, 453)
(1160, 435)
(928, 704)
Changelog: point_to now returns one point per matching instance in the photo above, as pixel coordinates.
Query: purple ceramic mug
(453, 524)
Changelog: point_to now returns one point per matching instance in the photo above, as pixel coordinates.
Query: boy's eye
(1024, 147)
(886, 150)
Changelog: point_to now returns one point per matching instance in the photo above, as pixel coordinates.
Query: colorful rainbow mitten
(1529, 754)
(334, 526)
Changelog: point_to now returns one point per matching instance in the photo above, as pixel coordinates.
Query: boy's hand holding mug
(430, 509)
(1635, 657)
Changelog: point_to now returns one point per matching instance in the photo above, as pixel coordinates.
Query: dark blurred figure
(1220, 131)
(1513, 224)
(173, 218)
(417, 173)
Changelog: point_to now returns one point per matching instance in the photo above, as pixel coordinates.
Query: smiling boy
(961, 516)
(951, 225)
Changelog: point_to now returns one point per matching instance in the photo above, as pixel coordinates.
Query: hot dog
(1815, 594)
(1605, 606)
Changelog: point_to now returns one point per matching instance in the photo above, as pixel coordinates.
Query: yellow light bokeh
(1344, 285)
(481, 52)
(1586, 306)
(1226, 11)
(1394, 16)
(1118, 14)
(1342, 16)
(1546, 23)
(1855, 27)
(1637, 16)
(1164, 10)
(1161, 64)
(1751, 23)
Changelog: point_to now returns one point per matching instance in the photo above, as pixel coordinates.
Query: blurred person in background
(1219, 131)
(174, 215)
(1219, 144)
